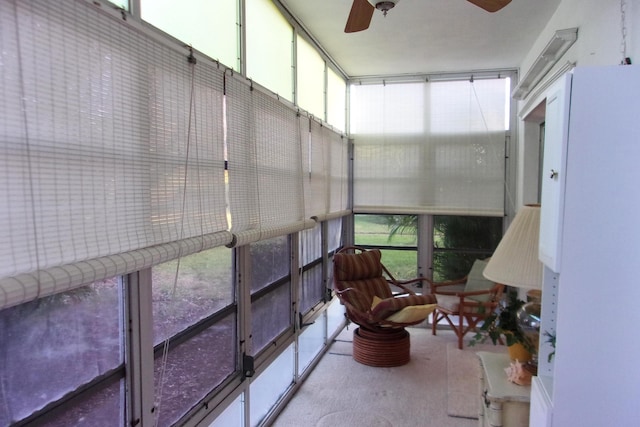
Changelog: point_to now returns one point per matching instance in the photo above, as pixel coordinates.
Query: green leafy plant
(551, 339)
(504, 323)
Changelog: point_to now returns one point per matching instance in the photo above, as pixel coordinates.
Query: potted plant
(503, 323)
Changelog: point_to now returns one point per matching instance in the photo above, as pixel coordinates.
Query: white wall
(599, 43)
(599, 32)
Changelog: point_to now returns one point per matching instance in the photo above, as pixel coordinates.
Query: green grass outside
(372, 230)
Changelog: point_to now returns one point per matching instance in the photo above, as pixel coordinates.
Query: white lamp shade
(515, 261)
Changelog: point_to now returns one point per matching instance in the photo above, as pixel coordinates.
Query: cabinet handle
(486, 401)
(554, 174)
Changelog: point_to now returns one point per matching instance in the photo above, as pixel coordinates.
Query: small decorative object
(517, 374)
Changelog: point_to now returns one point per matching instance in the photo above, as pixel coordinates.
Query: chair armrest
(402, 284)
(492, 290)
(473, 293)
(436, 285)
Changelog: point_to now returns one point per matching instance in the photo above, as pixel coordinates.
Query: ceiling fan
(362, 11)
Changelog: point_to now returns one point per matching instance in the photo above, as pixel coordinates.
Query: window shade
(112, 150)
(325, 171)
(316, 163)
(265, 165)
(432, 148)
(339, 173)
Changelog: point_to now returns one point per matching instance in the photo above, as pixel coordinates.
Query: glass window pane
(460, 240)
(373, 105)
(204, 286)
(270, 261)
(310, 245)
(391, 231)
(330, 273)
(430, 147)
(270, 316)
(269, 47)
(336, 100)
(271, 385)
(232, 416)
(51, 346)
(121, 3)
(451, 111)
(335, 234)
(199, 23)
(402, 264)
(335, 317)
(310, 342)
(310, 78)
(386, 230)
(312, 290)
(193, 369)
(101, 408)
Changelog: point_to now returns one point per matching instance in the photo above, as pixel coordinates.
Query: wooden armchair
(472, 299)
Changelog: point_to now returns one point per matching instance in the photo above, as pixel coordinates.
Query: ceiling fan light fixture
(384, 6)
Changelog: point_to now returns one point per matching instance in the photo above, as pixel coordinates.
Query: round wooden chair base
(381, 349)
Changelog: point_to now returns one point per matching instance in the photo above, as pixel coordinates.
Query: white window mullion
(139, 350)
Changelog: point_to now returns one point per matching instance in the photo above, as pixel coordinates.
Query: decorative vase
(518, 352)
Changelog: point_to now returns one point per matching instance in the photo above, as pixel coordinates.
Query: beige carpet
(341, 392)
(463, 392)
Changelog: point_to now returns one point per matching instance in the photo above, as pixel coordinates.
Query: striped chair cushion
(364, 265)
(366, 290)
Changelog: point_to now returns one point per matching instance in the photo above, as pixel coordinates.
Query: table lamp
(515, 263)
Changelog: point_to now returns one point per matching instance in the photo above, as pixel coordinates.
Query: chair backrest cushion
(360, 266)
(477, 282)
(363, 272)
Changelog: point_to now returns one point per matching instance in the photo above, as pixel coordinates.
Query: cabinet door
(541, 408)
(553, 172)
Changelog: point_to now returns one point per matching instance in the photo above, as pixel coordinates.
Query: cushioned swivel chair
(364, 286)
(471, 298)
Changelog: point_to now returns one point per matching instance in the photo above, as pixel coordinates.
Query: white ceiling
(425, 36)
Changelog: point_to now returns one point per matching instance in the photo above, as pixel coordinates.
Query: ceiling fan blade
(490, 5)
(359, 17)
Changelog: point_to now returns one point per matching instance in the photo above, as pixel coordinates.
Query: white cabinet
(541, 407)
(554, 172)
(591, 239)
(503, 403)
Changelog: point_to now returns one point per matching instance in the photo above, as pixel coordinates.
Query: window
(203, 287)
(270, 290)
(336, 100)
(430, 147)
(200, 24)
(312, 289)
(458, 241)
(310, 78)
(267, 389)
(396, 236)
(269, 47)
(56, 344)
(195, 330)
